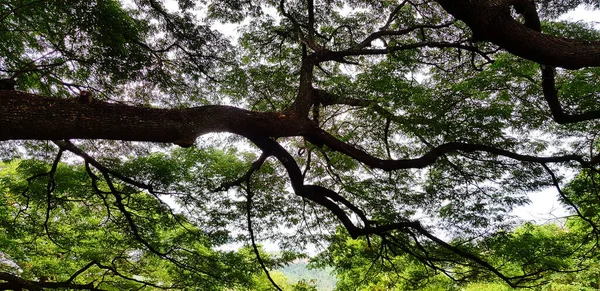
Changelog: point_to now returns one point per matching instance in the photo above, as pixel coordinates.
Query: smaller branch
(291, 19)
(308, 161)
(116, 272)
(340, 55)
(393, 15)
(49, 189)
(386, 131)
(83, 269)
(402, 226)
(15, 9)
(253, 168)
(324, 138)
(311, 19)
(335, 31)
(67, 145)
(381, 33)
(551, 96)
(568, 200)
(251, 231)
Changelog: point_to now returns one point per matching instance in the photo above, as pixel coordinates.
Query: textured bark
(28, 116)
(490, 20)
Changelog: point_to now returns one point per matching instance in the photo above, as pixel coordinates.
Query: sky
(583, 14)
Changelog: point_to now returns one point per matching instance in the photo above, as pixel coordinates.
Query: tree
(57, 234)
(398, 120)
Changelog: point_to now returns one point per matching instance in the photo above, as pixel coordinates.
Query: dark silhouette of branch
(50, 187)
(253, 168)
(551, 96)
(114, 270)
(83, 269)
(338, 55)
(393, 15)
(133, 227)
(384, 32)
(16, 283)
(249, 196)
(566, 198)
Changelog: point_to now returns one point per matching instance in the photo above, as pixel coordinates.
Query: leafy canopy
(395, 137)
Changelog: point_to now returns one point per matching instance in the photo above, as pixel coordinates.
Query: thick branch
(551, 96)
(27, 116)
(13, 282)
(326, 197)
(317, 194)
(304, 97)
(491, 20)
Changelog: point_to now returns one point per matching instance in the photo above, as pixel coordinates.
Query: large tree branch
(13, 282)
(304, 97)
(491, 20)
(27, 116)
(40, 115)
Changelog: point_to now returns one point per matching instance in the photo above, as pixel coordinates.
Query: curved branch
(251, 232)
(320, 195)
(83, 269)
(291, 19)
(246, 177)
(384, 32)
(570, 202)
(551, 96)
(314, 193)
(393, 15)
(50, 187)
(119, 274)
(490, 20)
(339, 55)
(324, 138)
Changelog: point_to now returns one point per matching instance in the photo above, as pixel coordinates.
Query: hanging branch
(249, 196)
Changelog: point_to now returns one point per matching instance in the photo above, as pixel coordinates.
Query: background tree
(398, 120)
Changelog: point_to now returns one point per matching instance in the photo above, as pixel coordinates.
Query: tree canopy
(140, 141)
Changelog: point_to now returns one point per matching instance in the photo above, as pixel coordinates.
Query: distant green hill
(295, 272)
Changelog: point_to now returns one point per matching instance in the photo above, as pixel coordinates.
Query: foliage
(82, 234)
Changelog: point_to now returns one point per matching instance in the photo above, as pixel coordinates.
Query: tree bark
(28, 116)
(491, 20)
